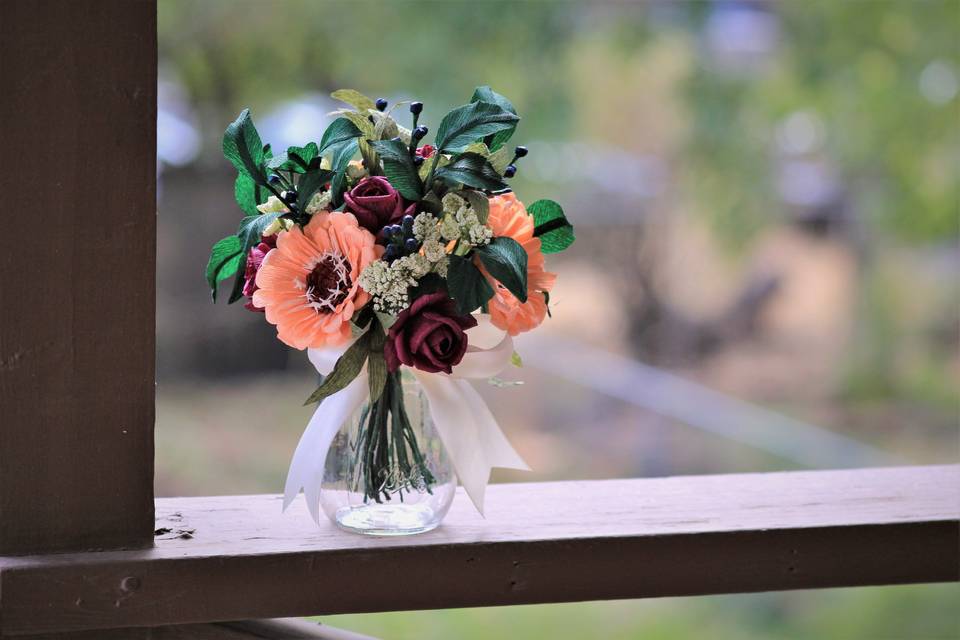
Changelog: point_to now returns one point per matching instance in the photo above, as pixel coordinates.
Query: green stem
(388, 457)
(433, 168)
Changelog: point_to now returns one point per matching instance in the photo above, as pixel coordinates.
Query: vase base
(388, 519)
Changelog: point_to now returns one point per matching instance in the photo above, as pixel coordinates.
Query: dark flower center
(444, 346)
(328, 284)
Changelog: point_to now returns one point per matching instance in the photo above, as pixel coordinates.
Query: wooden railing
(237, 557)
(77, 515)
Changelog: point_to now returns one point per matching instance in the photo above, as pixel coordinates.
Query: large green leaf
(339, 131)
(347, 367)
(472, 122)
(486, 94)
(342, 154)
(226, 258)
(243, 148)
(362, 121)
(399, 168)
(249, 194)
(551, 226)
(249, 235)
(506, 260)
(354, 98)
(251, 229)
(472, 170)
(467, 285)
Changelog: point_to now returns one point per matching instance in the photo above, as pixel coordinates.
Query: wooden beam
(282, 629)
(235, 557)
(77, 174)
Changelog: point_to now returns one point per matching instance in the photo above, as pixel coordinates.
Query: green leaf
(467, 285)
(347, 368)
(376, 364)
(360, 121)
(399, 168)
(340, 131)
(472, 170)
(354, 98)
(471, 122)
(226, 258)
(516, 360)
(500, 159)
(486, 94)
(309, 184)
(242, 147)
(478, 148)
(249, 194)
(385, 127)
(442, 161)
(551, 226)
(370, 158)
(342, 154)
(295, 158)
(251, 229)
(430, 283)
(506, 260)
(237, 291)
(278, 162)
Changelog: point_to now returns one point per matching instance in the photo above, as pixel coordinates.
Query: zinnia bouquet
(393, 262)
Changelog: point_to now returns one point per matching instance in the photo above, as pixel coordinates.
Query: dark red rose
(426, 151)
(376, 204)
(428, 335)
(254, 260)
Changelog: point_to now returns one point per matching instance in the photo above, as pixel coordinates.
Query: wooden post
(77, 254)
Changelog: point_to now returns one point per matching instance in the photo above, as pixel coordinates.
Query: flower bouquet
(404, 269)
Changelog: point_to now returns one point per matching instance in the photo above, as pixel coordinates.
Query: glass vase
(387, 473)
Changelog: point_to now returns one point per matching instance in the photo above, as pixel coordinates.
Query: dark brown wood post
(77, 254)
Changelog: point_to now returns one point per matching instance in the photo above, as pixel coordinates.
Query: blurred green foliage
(856, 67)
(237, 53)
(853, 65)
(924, 612)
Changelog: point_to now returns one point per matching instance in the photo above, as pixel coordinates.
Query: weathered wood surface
(78, 173)
(228, 558)
(283, 629)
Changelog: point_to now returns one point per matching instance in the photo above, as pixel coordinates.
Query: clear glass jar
(389, 476)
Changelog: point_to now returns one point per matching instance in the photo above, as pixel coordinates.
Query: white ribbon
(468, 430)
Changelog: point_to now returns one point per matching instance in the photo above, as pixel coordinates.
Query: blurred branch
(673, 397)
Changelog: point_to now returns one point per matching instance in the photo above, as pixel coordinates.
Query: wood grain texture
(281, 629)
(78, 174)
(235, 557)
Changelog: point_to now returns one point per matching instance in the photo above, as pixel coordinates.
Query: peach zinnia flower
(308, 285)
(508, 217)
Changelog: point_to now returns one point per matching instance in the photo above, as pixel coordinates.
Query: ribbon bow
(468, 430)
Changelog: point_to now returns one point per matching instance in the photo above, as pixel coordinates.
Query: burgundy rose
(428, 335)
(376, 204)
(254, 260)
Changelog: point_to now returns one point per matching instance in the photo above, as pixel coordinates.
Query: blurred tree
(236, 53)
(880, 78)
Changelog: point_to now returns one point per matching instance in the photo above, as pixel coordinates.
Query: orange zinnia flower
(508, 217)
(308, 285)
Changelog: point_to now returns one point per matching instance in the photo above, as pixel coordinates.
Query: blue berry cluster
(399, 239)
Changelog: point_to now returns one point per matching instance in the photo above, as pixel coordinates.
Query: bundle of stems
(388, 460)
